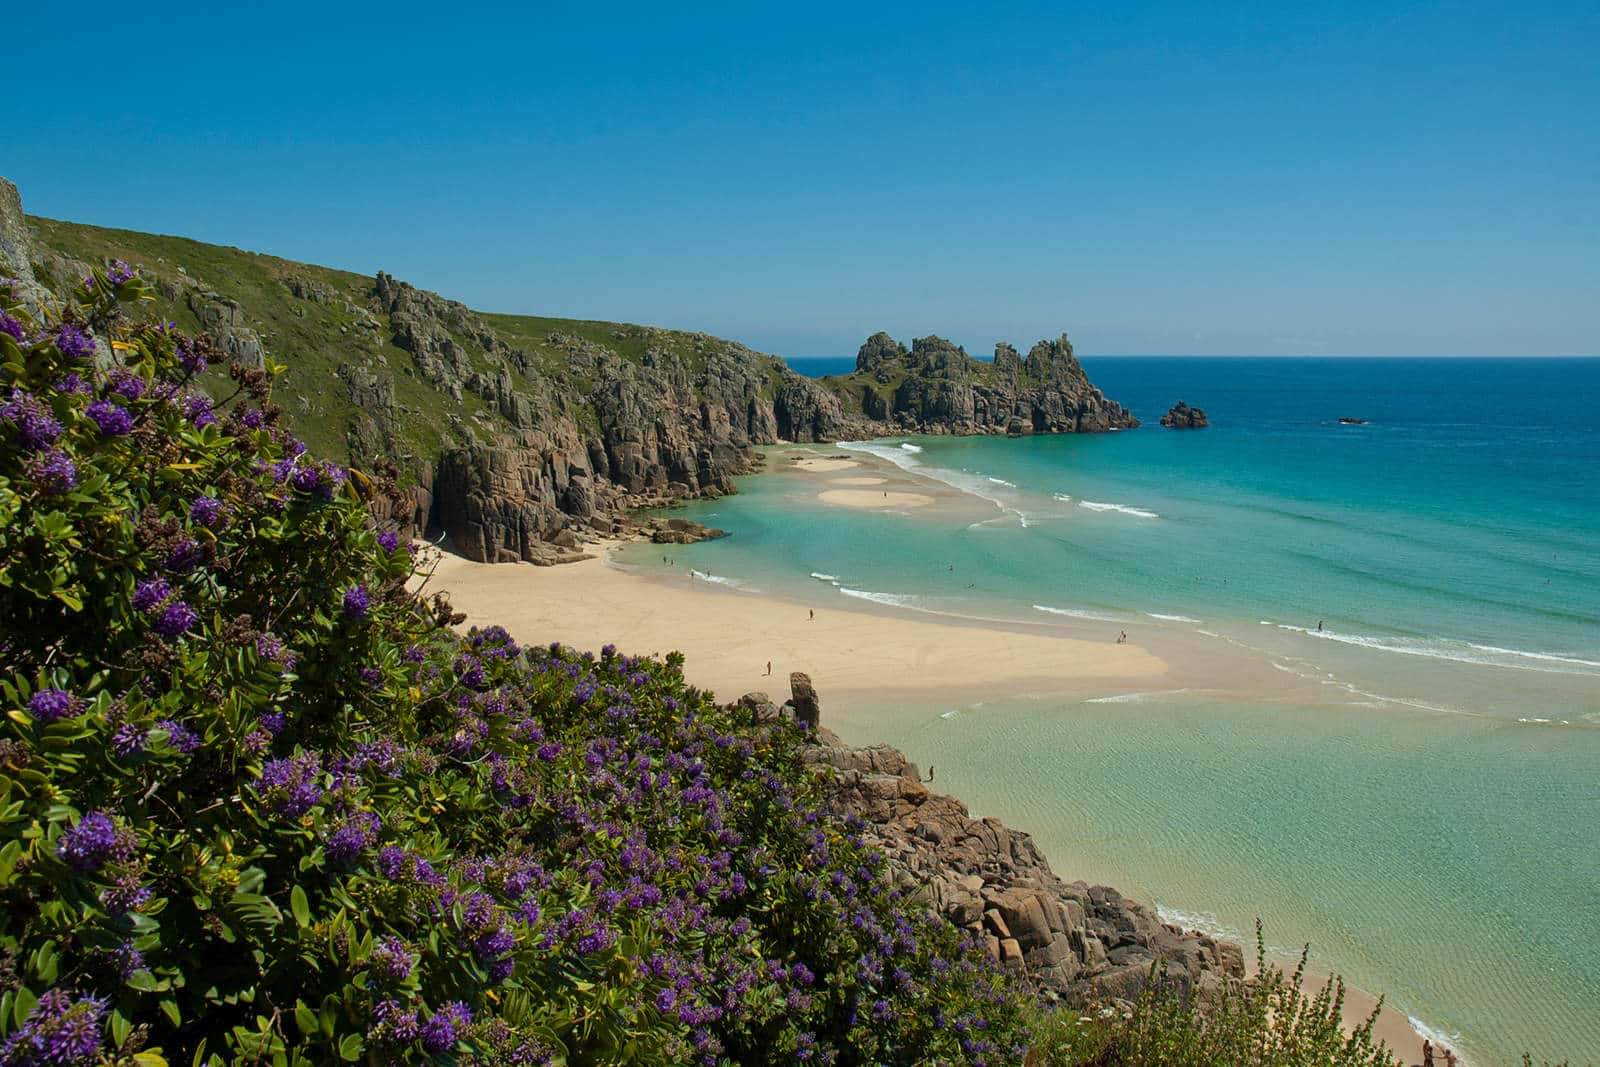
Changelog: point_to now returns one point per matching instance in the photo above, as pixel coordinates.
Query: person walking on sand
(1427, 1053)
(813, 614)
(769, 668)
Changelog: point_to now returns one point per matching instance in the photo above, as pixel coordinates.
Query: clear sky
(1168, 178)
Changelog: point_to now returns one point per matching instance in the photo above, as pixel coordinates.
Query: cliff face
(935, 387)
(522, 437)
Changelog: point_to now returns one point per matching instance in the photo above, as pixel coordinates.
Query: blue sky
(1167, 178)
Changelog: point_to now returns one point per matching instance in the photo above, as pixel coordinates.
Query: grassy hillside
(344, 325)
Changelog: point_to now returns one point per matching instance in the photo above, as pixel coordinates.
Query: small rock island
(1183, 417)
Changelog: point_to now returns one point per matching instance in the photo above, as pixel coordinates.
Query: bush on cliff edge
(260, 804)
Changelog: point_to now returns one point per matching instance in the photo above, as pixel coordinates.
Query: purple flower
(126, 385)
(53, 472)
(348, 841)
(10, 325)
(74, 344)
(60, 1031)
(253, 418)
(392, 959)
(176, 620)
(440, 1033)
(88, 845)
(49, 705)
(151, 594)
(73, 383)
(388, 540)
(186, 556)
(179, 736)
(291, 786)
(128, 740)
(119, 272)
(191, 361)
(198, 407)
(207, 511)
(36, 425)
(357, 602)
(125, 896)
(127, 960)
(113, 419)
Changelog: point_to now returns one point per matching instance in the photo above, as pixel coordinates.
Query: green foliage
(261, 804)
(1267, 1021)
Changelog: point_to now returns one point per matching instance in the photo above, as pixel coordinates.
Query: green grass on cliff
(313, 339)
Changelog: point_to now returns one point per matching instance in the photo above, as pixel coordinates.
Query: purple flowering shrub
(261, 804)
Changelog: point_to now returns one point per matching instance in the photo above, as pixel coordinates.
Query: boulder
(1183, 417)
(807, 707)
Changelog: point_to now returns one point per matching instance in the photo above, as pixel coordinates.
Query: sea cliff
(523, 437)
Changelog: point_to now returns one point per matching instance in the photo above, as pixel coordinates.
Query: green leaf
(300, 906)
(350, 1048)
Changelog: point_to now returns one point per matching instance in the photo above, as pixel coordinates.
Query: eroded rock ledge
(1075, 942)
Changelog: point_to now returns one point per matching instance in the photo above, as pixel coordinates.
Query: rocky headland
(1074, 942)
(1183, 417)
(935, 387)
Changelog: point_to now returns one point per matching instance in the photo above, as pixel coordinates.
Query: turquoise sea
(1420, 800)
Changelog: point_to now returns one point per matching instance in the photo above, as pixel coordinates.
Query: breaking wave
(1458, 652)
(1099, 505)
(1076, 613)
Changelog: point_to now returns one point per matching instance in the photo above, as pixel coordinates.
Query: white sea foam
(910, 447)
(717, 579)
(1203, 921)
(892, 600)
(1076, 613)
(1170, 618)
(1440, 1039)
(1135, 698)
(1063, 497)
(1001, 481)
(819, 576)
(1546, 656)
(952, 713)
(1099, 505)
(1456, 651)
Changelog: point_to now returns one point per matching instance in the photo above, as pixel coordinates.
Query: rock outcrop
(935, 387)
(1077, 942)
(581, 444)
(1183, 417)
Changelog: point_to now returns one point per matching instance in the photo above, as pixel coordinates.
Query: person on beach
(769, 667)
(1427, 1053)
(1449, 1058)
(1319, 626)
(813, 612)
(930, 773)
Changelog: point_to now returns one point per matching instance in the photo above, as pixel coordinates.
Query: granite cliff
(523, 437)
(935, 387)
(1075, 942)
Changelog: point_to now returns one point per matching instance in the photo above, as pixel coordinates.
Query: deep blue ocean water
(1427, 817)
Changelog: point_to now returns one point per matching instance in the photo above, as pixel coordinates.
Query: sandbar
(872, 498)
(825, 464)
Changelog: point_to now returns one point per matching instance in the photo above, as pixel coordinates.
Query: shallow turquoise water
(1428, 821)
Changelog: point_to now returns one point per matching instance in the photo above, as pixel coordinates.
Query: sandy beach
(730, 637)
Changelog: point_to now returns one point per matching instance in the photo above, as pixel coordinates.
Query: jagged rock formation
(1078, 941)
(935, 387)
(1183, 417)
(1074, 941)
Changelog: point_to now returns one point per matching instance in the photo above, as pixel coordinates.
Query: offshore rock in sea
(1183, 417)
